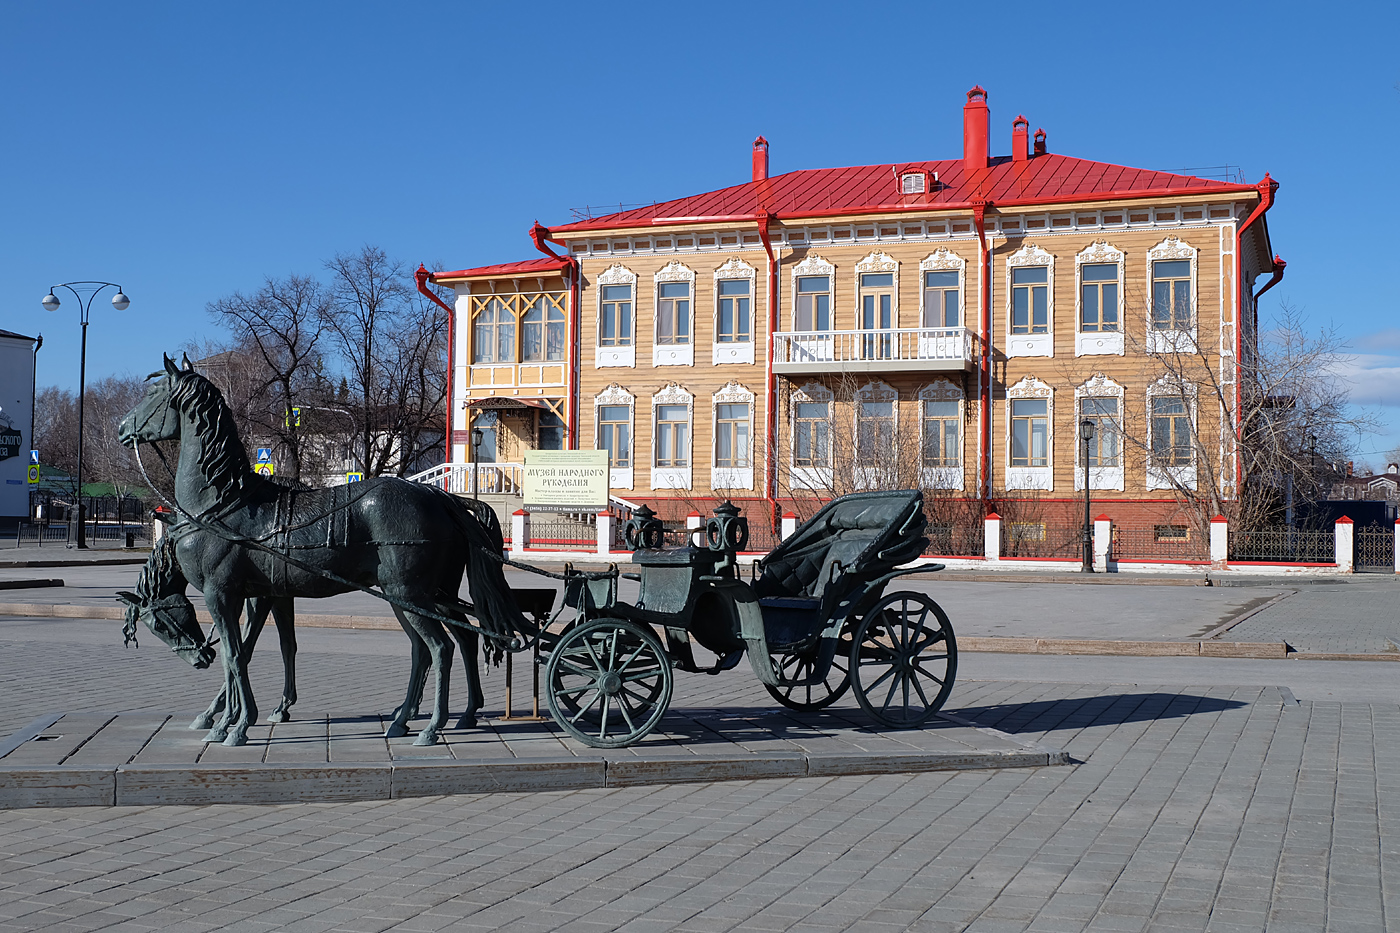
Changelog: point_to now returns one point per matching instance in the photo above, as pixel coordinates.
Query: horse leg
(256, 618)
(243, 709)
(283, 615)
(417, 674)
(440, 648)
(475, 701)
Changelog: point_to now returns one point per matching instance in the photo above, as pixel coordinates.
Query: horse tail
(486, 579)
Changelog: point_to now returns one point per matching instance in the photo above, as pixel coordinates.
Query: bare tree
(105, 460)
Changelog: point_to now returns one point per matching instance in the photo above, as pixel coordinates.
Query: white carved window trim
(673, 477)
(944, 260)
(738, 351)
(1099, 386)
(813, 265)
(672, 354)
(1101, 343)
(811, 477)
(615, 274)
(1169, 477)
(876, 261)
(1032, 344)
(1042, 478)
(619, 477)
(1174, 341)
(731, 477)
(942, 390)
(868, 477)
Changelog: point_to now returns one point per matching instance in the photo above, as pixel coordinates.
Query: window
(1098, 291)
(1030, 432)
(614, 426)
(486, 450)
(673, 312)
(732, 435)
(811, 445)
(493, 338)
(672, 443)
(549, 435)
(942, 431)
(1171, 294)
(1171, 431)
(1104, 447)
(940, 299)
(734, 311)
(875, 433)
(813, 303)
(542, 331)
(1030, 300)
(615, 328)
(876, 313)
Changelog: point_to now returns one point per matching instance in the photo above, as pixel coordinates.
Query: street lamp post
(85, 292)
(477, 435)
(1086, 431)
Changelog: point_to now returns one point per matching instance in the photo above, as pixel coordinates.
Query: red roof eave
(544, 266)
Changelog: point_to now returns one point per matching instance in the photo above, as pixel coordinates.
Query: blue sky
(187, 150)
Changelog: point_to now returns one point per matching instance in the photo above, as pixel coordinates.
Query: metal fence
(1284, 545)
(1039, 540)
(1375, 549)
(99, 534)
(562, 533)
(956, 540)
(1159, 543)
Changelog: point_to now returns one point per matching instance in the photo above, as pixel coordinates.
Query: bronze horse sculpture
(243, 537)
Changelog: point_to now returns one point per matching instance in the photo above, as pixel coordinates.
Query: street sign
(33, 474)
(354, 477)
(264, 454)
(265, 469)
(34, 457)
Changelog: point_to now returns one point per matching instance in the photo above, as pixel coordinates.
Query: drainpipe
(984, 372)
(1266, 189)
(1276, 276)
(770, 475)
(540, 234)
(422, 277)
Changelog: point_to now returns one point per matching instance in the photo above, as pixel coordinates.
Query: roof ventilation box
(913, 183)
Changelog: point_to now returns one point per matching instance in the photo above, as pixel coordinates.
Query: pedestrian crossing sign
(264, 454)
(354, 477)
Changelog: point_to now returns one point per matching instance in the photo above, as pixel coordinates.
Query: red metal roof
(542, 266)
(868, 189)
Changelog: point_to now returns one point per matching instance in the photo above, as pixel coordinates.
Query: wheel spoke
(598, 663)
(930, 675)
(881, 679)
(622, 708)
(889, 698)
(583, 709)
(921, 692)
(571, 691)
(603, 731)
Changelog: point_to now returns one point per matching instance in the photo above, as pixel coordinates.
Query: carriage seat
(843, 540)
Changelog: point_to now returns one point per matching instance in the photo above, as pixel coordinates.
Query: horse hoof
(426, 737)
(466, 722)
(216, 735)
(395, 730)
(202, 721)
(279, 715)
(236, 739)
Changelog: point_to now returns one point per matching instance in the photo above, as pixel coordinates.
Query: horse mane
(222, 459)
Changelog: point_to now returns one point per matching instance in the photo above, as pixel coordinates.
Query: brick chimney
(1039, 142)
(760, 159)
(1020, 139)
(975, 121)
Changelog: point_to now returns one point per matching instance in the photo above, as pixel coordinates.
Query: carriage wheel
(904, 660)
(800, 665)
(608, 682)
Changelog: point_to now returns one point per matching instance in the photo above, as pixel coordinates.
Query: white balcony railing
(491, 478)
(923, 347)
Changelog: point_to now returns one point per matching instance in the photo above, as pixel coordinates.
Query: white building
(16, 419)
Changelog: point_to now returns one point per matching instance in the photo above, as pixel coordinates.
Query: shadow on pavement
(1113, 709)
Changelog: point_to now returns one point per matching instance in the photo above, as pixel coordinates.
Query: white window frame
(618, 477)
(1098, 386)
(864, 476)
(1173, 341)
(1102, 343)
(738, 351)
(942, 390)
(812, 477)
(1032, 344)
(1042, 478)
(616, 274)
(876, 261)
(1170, 477)
(672, 354)
(944, 260)
(673, 477)
(731, 477)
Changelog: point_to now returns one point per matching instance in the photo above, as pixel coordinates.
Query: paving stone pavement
(1357, 617)
(1215, 807)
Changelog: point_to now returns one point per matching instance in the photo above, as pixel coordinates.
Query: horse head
(155, 418)
(172, 620)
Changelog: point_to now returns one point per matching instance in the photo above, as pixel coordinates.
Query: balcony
(910, 349)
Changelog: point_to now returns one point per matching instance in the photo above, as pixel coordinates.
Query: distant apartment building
(946, 324)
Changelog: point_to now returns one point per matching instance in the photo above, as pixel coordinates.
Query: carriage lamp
(85, 292)
(1086, 431)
